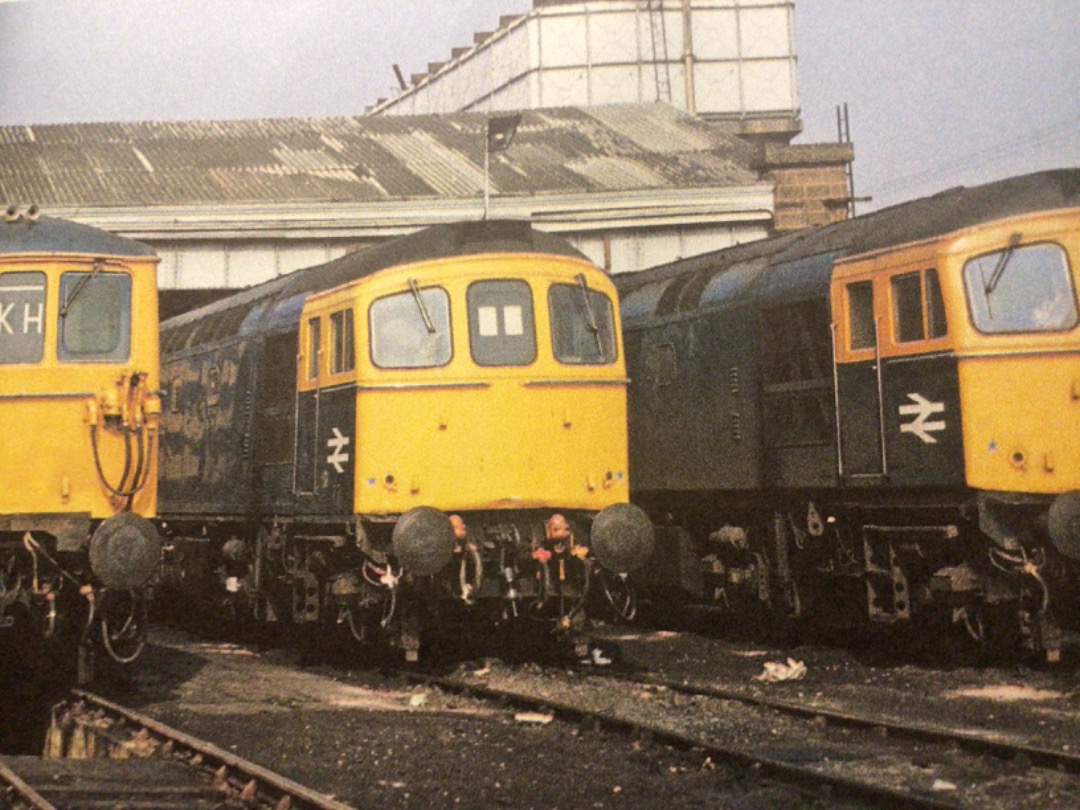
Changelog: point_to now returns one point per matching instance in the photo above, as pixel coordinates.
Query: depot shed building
(233, 203)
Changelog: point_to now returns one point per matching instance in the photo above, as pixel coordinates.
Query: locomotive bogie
(372, 580)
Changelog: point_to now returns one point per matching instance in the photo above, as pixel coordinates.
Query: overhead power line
(1059, 132)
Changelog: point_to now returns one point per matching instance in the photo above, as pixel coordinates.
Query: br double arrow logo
(922, 409)
(337, 444)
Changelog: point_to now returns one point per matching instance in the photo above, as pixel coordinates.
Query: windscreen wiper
(429, 324)
(1003, 262)
(590, 316)
(80, 286)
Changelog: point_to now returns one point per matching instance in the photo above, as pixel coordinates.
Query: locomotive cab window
(22, 317)
(1021, 289)
(918, 308)
(342, 342)
(936, 324)
(95, 317)
(502, 331)
(582, 324)
(411, 329)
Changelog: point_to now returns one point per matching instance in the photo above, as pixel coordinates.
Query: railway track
(100, 754)
(827, 754)
(1060, 760)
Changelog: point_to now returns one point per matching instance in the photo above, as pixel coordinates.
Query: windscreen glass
(582, 325)
(95, 317)
(342, 342)
(411, 329)
(1021, 289)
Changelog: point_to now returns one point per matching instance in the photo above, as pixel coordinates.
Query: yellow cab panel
(1019, 343)
(462, 400)
(78, 377)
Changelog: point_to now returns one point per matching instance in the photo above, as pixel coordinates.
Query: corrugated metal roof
(559, 150)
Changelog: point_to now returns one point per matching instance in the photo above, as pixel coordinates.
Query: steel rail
(254, 777)
(23, 794)
(796, 775)
(971, 741)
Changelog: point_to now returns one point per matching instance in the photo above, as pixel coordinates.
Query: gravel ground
(928, 769)
(373, 740)
(1010, 700)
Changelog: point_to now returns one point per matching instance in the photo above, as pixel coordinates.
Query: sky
(939, 92)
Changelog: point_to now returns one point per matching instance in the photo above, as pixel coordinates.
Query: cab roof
(682, 286)
(276, 304)
(50, 235)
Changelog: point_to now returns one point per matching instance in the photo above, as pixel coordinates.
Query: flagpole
(500, 132)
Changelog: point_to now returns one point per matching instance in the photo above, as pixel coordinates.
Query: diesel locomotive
(876, 420)
(425, 433)
(79, 411)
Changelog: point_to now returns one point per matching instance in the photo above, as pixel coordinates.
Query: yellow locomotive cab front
(427, 435)
(1019, 364)
(82, 389)
(488, 385)
(79, 409)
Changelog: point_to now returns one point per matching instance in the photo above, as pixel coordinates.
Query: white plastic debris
(941, 784)
(776, 671)
(418, 700)
(596, 657)
(534, 718)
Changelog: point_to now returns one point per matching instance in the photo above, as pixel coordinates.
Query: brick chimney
(811, 182)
